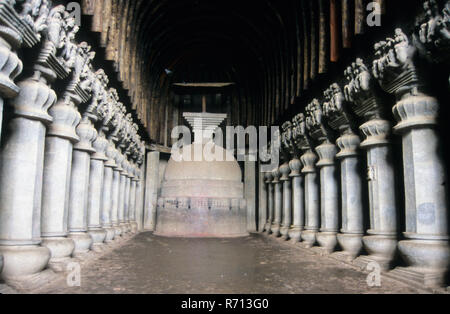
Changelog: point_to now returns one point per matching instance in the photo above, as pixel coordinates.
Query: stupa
(202, 198)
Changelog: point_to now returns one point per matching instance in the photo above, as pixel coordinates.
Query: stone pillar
(425, 248)
(21, 171)
(350, 238)
(298, 200)
(287, 200)
(132, 207)
(106, 219)
(10, 67)
(381, 242)
(338, 117)
(79, 185)
(56, 182)
(316, 115)
(151, 190)
(278, 203)
(250, 194)
(96, 181)
(139, 205)
(270, 202)
(140, 192)
(122, 194)
(312, 205)
(329, 197)
(134, 200)
(262, 201)
(381, 239)
(22, 152)
(127, 198)
(117, 196)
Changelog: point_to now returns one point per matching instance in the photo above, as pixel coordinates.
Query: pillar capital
(327, 154)
(83, 78)
(111, 153)
(34, 100)
(296, 166)
(395, 68)
(11, 65)
(130, 170)
(348, 145)
(119, 158)
(288, 145)
(276, 174)
(434, 30)
(309, 160)
(87, 133)
(137, 172)
(57, 29)
(268, 177)
(377, 133)
(100, 145)
(397, 73)
(314, 123)
(285, 171)
(125, 166)
(362, 91)
(66, 118)
(416, 111)
(14, 33)
(335, 110)
(300, 133)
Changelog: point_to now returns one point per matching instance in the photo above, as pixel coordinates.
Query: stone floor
(252, 265)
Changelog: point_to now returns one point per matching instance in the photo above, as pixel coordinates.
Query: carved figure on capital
(287, 141)
(434, 31)
(335, 109)
(314, 122)
(362, 91)
(299, 133)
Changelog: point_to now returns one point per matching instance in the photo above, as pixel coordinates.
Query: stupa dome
(202, 194)
(203, 178)
(227, 170)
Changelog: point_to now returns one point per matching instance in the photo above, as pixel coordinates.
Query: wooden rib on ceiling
(275, 50)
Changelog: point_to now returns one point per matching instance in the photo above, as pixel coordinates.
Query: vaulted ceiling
(272, 50)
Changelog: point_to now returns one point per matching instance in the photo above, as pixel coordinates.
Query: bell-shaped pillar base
(134, 227)
(328, 241)
(284, 231)
(266, 228)
(276, 230)
(309, 238)
(427, 260)
(83, 243)
(98, 239)
(124, 229)
(23, 261)
(269, 228)
(295, 234)
(351, 244)
(128, 227)
(110, 234)
(118, 231)
(381, 249)
(61, 250)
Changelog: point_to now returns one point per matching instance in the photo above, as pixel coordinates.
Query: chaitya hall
(222, 140)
